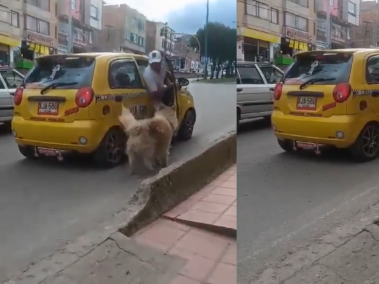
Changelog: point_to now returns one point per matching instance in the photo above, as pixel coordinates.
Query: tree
(221, 47)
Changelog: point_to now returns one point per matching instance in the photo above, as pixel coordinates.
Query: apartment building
(269, 27)
(124, 29)
(157, 40)
(185, 57)
(344, 15)
(367, 33)
(86, 17)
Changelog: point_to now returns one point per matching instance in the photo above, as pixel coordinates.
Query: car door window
(271, 74)
(12, 79)
(372, 70)
(250, 75)
(123, 74)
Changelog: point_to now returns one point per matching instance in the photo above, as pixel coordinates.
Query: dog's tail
(126, 118)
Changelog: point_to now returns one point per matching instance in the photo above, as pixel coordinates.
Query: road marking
(294, 233)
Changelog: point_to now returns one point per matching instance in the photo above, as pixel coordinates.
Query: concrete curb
(300, 258)
(176, 183)
(155, 196)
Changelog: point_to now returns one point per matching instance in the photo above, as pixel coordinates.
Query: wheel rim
(114, 147)
(370, 141)
(190, 122)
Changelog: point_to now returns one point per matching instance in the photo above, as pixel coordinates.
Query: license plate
(48, 108)
(306, 103)
(48, 152)
(306, 145)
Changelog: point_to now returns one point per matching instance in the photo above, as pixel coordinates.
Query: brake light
(17, 98)
(341, 92)
(84, 97)
(278, 91)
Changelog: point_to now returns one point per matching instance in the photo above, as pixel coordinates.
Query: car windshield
(61, 69)
(316, 65)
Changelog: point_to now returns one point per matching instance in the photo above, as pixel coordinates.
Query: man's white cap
(155, 57)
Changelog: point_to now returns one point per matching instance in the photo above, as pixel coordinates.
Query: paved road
(285, 200)
(42, 206)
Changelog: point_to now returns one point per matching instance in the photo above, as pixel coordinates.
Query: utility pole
(328, 25)
(165, 38)
(70, 27)
(206, 42)
(375, 31)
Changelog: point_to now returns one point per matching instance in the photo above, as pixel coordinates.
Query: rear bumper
(321, 130)
(62, 136)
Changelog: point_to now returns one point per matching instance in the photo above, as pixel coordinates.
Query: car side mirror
(183, 82)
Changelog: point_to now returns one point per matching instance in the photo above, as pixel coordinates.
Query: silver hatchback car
(255, 83)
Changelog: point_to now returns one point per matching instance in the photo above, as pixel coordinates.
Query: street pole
(70, 28)
(165, 39)
(328, 26)
(206, 43)
(375, 32)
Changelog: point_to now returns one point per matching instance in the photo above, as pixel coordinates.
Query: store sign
(298, 35)
(40, 38)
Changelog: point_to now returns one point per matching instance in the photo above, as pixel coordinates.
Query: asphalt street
(286, 200)
(45, 205)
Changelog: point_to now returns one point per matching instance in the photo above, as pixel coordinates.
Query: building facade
(124, 29)
(268, 28)
(344, 15)
(86, 17)
(185, 57)
(367, 33)
(157, 40)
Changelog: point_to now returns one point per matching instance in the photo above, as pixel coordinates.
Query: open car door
(171, 77)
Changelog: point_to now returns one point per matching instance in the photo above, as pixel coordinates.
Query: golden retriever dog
(149, 139)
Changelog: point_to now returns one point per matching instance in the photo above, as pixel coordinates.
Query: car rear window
(62, 69)
(335, 67)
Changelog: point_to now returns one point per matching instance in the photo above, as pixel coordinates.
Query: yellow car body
(337, 109)
(79, 118)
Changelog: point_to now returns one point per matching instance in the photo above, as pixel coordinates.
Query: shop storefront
(7, 46)
(37, 45)
(253, 45)
(295, 41)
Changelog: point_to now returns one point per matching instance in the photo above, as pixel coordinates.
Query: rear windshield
(320, 65)
(61, 69)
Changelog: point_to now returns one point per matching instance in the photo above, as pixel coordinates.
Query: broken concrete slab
(120, 260)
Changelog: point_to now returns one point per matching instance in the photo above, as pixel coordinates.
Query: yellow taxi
(69, 104)
(330, 98)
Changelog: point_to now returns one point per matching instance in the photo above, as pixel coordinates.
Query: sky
(185, 16)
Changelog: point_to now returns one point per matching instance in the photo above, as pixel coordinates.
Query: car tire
(186, 129)
(286, 145)
(27, 151)
(366, 147)
(111, 151)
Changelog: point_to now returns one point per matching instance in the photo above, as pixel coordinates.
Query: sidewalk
(210, 257)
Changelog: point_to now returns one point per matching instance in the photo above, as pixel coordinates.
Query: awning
(258, 35)
(9, 41)
(298, 45)
(39, 48)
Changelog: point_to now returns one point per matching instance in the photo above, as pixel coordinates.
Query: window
(303, 3)
(334, 66)
(352, 8)
(296, 22)
(141, 41)
(37, 25)
(123, 74)
(274, 16)
(249, 75)
(252, 8)
(372, 70)
(15, 19)
(94, 12)
(12, 79)
(73, 4)
(4, 16)
(42, 4)
(271, 74)
(163, 43)
(263, 11)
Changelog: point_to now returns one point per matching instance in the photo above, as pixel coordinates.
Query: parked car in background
(255, 84)
(10, 80)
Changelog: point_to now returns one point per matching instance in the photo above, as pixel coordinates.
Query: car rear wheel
(188, 124)
(111, 151)
(366, 147)
(27, 151)
(286, 145)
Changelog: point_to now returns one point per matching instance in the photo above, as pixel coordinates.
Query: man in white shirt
(154, 76)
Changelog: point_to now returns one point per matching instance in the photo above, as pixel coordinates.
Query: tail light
(84, 97)
(278, 91)
(341, 92)
(17, 98)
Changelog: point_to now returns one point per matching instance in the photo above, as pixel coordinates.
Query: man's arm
(151, 86)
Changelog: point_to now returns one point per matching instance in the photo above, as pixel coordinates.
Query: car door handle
(272, 89)
(12, 94)
(239, 90)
